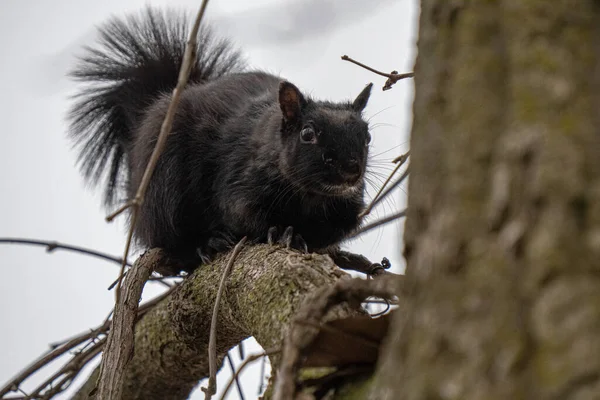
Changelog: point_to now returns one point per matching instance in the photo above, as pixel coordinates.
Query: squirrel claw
(272, 235)
(289, 239)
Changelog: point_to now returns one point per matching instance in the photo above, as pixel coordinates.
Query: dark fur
(234, 164)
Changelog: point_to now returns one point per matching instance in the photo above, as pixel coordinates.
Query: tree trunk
(503, 228)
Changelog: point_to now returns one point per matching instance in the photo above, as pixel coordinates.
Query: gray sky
(45, 298)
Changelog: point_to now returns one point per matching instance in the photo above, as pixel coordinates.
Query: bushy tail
(135, 60)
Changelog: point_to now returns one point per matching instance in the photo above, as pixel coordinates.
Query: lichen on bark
(266, 286)
(504, 206)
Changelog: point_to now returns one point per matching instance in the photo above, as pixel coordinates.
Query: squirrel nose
(328, 158)
(351, 170)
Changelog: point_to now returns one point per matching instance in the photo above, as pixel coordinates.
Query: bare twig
(388, 305)
(237, 381)
(367, 210)
(399, 161)
(14, 383)
(165, 129)
(378, 223)
(359, 263)
(60, 348)
(126, 254)
(69, 371)
(247, 361)
(119, 210)
(158, 279)
(52, 245)
(393, 76)
(380, 301)
(261, 383)
(212, 342)
(147, 306)
(241, 350)
(120, 339)
(393, 186)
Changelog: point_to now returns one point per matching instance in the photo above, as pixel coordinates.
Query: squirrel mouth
(342, 189)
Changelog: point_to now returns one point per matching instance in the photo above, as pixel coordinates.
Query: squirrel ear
(361, 100)
(291, 101)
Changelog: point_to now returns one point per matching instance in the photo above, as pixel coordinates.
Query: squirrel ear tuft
(291, 101)
(362, 99)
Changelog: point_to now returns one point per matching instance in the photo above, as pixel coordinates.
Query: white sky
(48, 297)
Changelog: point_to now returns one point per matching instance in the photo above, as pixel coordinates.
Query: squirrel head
(325, 144)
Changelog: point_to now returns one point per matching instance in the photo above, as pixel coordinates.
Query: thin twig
(119, 350)
(126, 254)
(64, 346)
(261, 382)
(378, 223)
(388, 305)
(212, 342)
(52, 245)
(247, 361)
(380, 301)
(71, 368)
(165, 129)
(118, 211)
(367, 210)
(13, 384)
(399, 163)
(393, 186)
(393, 76)
(238, 385)
(158, 279)
(358, 263)
(241, 351)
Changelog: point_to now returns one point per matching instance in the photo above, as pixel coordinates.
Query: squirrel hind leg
(288, 239)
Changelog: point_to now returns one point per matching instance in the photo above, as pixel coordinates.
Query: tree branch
(119, 347)
(312, 313)
(266, 286)
(52, 245)
(393, 76)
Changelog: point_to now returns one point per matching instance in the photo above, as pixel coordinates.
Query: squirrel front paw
(288, 239)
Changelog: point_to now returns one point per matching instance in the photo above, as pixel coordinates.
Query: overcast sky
(48, 297)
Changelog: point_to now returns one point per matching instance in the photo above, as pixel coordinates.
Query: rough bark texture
(119, 344)
(503, 228)
(266, 286)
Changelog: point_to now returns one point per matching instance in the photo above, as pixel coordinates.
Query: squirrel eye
(307, 135)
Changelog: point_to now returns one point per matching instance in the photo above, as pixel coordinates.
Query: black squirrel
(249, 154)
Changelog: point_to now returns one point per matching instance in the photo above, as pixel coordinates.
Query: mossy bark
(503, 228)
(266, 286)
